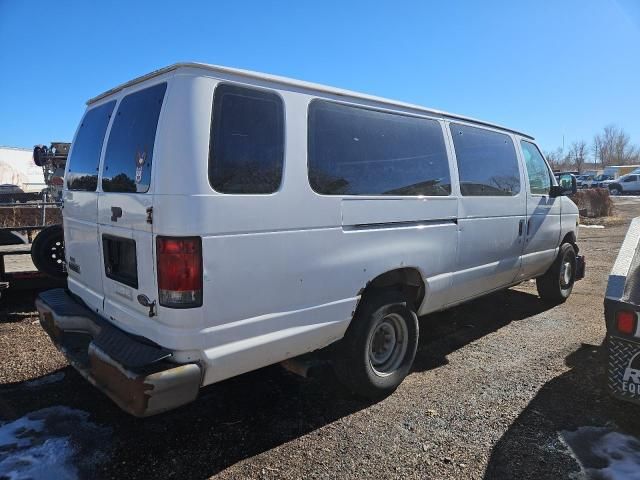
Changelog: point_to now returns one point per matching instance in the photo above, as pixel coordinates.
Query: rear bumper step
(131, 370)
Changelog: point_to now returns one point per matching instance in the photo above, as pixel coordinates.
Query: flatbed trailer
(622, 315)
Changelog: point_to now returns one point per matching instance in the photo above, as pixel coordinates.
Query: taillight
(626, 322)
(179, 271)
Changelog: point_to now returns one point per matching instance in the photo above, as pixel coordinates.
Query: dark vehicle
(598, 181)
(622, 310)
(10, 193)
(10, 188)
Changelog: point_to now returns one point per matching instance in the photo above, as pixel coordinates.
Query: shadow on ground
(531, 448)
(15, 306)
(447, 331)
(252, 413)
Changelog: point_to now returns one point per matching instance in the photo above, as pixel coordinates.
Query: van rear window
(85, 156)
(359, 151)
(246, 151)
(129, 155)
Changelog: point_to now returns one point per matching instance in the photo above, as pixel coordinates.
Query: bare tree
(555, 158)
(613, 147)
(578, 154)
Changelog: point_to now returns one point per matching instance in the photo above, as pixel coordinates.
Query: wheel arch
(571, 238)
(408, 280)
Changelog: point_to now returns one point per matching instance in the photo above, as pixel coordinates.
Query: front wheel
(557, 283)
(615, 190)
(378, 350)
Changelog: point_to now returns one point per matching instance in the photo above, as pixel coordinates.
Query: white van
(218, 220)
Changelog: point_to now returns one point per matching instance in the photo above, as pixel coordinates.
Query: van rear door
(125, 206)
(81, 205)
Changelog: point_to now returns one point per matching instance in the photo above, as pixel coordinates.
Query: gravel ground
(494, 383)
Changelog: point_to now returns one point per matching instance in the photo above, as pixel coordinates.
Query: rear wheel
(378, 350)
(557, 283)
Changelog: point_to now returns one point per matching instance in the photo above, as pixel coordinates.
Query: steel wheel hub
(566, 273)
(388, 344)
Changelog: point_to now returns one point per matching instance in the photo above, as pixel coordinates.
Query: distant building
(17, 168)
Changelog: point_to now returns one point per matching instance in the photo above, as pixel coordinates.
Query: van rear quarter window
(487, 161)
(82, 174)
(129, 155)
(359, 151)
(246, 151)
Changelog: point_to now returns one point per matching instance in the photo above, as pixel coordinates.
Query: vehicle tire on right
(557, 282)
(615, 190)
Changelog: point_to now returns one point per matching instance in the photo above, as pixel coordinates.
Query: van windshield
(129, 155)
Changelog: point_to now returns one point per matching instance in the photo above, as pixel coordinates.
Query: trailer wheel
(379, 347)
(556, 284)
(47, 251)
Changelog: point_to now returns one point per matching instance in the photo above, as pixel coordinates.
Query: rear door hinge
(150, 215)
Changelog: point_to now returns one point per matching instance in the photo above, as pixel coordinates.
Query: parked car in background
(629, 183)
(10, 193)
(597, 181)
(10, 188)
(217, 221)
(581, 180)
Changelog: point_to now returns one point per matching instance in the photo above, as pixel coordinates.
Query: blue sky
(550, 68)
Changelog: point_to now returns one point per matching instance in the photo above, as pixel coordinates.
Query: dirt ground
(494, 384)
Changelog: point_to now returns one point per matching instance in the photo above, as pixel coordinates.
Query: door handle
(116, 213)
(520, 227)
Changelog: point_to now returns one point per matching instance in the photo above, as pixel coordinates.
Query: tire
(378, 350)
(557, 283)
(615, 190)
(47, 251)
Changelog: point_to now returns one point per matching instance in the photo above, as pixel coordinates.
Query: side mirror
(567, 185)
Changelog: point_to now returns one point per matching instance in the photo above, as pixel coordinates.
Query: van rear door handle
(116, 213)
(520, 227)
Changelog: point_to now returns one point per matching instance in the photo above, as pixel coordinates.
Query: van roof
(298, 84)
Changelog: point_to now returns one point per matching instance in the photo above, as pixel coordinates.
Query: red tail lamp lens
(626, 322)
(179, 271)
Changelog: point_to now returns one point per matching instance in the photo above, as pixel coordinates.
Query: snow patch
(46, 380)
(52, 443)
(604, 453)
(591, 226)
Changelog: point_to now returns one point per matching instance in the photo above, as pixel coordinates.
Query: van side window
(539, 176)
(487, 162)
(129, 155)
(359, 151)
(246, 151)
(85, 156)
